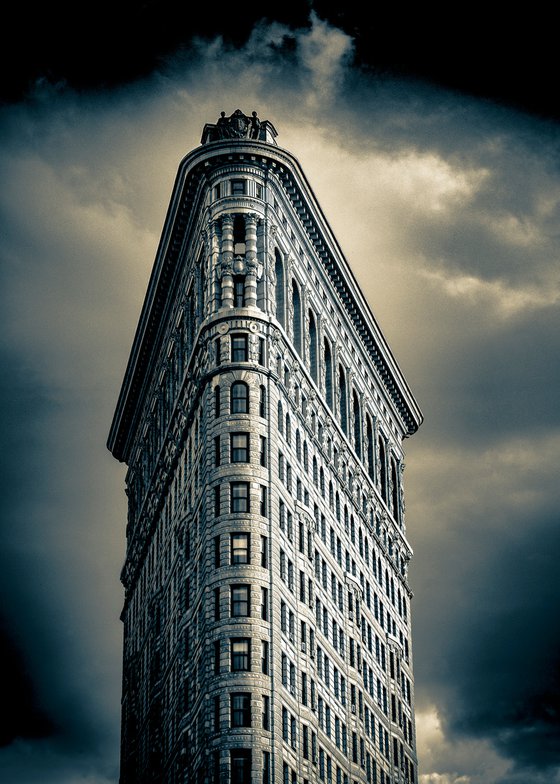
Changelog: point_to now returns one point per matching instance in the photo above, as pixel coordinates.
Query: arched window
(239, 398)
(288, 432)
(357, 425)
(331, 495)
(280, 288)
(298, 445)
(322, 481)
(337, 504)
(280, 417)
(296, 302)
(305, 457)
(395, 489)
(217, 401)
(343, 404)
(370, 448)
(382, 469)
(313, 363)
(328, 375)
(315, 471)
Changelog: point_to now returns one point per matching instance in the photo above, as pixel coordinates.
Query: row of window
(240, 655)
(355, 750)
(240, 602)
(240, 498)
(239, 399)
(240, 549)
(240, 710)
(239, 449)
(238, 348)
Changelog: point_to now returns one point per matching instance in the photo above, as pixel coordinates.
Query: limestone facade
(267, 627)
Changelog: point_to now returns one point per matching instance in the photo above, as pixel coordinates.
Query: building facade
(267, 627)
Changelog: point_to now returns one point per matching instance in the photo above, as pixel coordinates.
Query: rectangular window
(216, 657)
(239, 443)
(265, 712)
(262, 450)
(239, 497)
(238, 291)
(217, 450)
(240, 601)
(240, 709)
(217, 557)
(264, 657)
(238, 187)
(217, 501)
(264, 552)
(239, 349)
(264, 604)
(216, 604)
(240, 763)
(240, 654)
(217, 714)
(266, 767)
(261, 351)
(264, 504)
(240, 543)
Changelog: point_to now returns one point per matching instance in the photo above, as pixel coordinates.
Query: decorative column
(251, 261)
(227, 261)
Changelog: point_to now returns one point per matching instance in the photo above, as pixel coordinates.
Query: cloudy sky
(441, 182)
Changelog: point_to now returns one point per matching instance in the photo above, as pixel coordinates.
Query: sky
(444, 198)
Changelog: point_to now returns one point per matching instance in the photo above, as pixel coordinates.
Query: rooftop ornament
(239, 126)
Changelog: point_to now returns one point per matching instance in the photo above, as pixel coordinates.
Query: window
(217, 501)
(328, 376)
(239, 497)
(239, 398)
(240, 762)
(262, 402)
(264, 552)
(313, 353)
(217, 402)
(216, 656)
(265, 712)
(217, 714)
(238, 291)
(217, 455)
(240, 548)
(264, 657)
(239, 443)
(239, 349)
(240, 654)
(216, 604)
(279, 288)
(238, 187)
(266, 767)
(217, 558)
(262, 357)
(240, 601)
(297, 326)
(264, 604)
(263, 502)
(262, 450)
(240, 703)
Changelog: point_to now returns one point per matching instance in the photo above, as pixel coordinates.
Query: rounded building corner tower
(262, 417)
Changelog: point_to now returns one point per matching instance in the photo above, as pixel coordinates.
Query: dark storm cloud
(496, 670)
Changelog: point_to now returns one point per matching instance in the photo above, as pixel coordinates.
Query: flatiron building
(267, 624)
